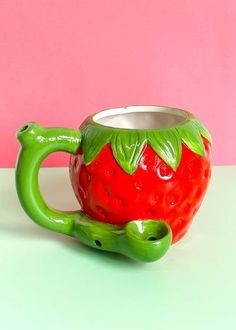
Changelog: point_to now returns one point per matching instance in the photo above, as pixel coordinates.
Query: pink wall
(61, 60)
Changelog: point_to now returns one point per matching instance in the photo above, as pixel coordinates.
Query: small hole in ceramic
(24, 128)
(98, 243)
(152, 238)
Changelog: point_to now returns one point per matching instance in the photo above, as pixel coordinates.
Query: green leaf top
(94, 140)
(127, 149)
(167, 144)
(128, 144)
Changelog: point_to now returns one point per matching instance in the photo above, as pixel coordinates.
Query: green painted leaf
(191, 138)
(93, 140)
(127, 149)
(167, 144)
(127, 145)
(202, 129)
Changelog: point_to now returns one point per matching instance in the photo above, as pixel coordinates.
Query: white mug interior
(141, 117)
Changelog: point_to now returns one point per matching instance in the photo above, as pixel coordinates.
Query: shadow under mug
(140, 174)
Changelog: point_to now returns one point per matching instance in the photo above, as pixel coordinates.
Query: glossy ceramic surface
(123, 174)
(154, 191)
(139, 188)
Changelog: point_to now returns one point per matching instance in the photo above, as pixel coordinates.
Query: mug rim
(93, 119)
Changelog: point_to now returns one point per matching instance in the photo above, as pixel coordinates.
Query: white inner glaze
(141, 117)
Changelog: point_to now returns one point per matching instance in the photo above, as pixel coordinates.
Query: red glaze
(154, 191)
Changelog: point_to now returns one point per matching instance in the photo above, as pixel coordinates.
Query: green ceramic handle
(141, 240)
(36, 144)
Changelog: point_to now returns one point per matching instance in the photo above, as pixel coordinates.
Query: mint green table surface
(49, 281)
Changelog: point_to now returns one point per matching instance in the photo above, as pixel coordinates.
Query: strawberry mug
(139, 173)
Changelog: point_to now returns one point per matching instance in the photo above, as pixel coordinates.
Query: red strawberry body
(154, 191)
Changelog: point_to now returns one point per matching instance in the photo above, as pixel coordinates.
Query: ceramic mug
(140, 174)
